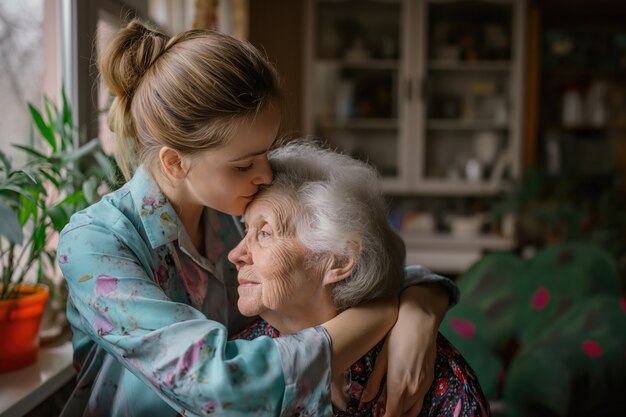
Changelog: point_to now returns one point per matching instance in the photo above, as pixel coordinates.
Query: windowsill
(24, 389)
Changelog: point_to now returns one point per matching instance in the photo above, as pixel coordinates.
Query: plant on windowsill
(58, 178)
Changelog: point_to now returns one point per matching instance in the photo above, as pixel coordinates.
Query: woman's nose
(264, 174)
(240, 255)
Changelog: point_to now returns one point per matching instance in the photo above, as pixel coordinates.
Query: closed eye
(244, 169)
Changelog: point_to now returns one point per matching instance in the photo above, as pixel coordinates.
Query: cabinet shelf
(333, 2)
(360, 123)
(582, 129)
(446, 187)
(450, 254)
(456, 124)
(448, 240)
(558, 71)
(379, 64)
(464, 66)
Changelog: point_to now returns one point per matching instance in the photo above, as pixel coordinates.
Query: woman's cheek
(279, 286)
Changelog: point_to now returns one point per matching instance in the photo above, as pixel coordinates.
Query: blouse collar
(157, 215)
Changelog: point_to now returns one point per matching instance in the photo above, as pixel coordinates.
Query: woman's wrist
(429, 301)
(357, 330)
(417, 275)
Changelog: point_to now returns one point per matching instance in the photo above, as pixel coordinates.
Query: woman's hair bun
(129, 55)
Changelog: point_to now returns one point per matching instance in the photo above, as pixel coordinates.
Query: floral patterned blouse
(151, 316)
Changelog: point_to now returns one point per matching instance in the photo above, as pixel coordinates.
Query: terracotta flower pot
(20, 318)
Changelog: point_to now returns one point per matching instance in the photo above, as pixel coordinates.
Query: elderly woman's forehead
(281, 204)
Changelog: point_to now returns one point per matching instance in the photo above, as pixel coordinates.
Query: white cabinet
(428, 91)
(469, 67)
(356, 75)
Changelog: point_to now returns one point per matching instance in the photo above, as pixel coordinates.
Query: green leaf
(86, 149)
(28, 208)
(67, 112)
(10, 226)
(51, 258)
(67, 135)
(31, 151)
(48, 106)
(26, 173)
(17, 190)
(72, 199)
(6, 162)
(58, 216)
(39, 238)
(46, 131)
(51, 178)
(40, 271)
(66, 124)
(106, 165)
(89, 189)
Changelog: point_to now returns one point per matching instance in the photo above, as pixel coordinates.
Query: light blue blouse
(151, 316)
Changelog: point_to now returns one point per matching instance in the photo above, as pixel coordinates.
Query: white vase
(572, 108)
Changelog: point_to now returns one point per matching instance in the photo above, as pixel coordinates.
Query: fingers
(413, 405)
(393, 406)
(408, 407)
(376, 378)
(409, 400)
(409, 404)
(415, 410)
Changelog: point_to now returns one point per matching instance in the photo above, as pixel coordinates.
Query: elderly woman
(318, 242)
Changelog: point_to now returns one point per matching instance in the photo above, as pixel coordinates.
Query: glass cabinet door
(469, 69)
(355, 77)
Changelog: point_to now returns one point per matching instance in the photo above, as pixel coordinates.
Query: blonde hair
(187, 92)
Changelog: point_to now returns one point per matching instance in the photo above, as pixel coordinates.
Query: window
(29, 65)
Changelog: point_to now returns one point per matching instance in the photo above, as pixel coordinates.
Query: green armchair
(546, 335)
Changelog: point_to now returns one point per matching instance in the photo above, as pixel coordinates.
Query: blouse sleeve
(417, 275)
(174, 348)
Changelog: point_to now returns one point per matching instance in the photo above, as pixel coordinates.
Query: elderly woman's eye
(264, 233)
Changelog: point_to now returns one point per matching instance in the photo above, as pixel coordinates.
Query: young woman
(152, 296)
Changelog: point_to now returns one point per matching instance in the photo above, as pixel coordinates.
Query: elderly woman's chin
(248, 304)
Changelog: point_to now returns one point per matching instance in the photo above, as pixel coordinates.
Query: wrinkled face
(271, 261)
(228, 177)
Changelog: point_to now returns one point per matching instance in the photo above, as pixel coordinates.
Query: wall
(277, 27)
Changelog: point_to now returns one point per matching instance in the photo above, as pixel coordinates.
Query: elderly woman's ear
(340, 267)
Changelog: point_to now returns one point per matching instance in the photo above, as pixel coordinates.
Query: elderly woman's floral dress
(454, 393)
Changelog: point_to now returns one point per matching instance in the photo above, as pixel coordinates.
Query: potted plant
(59, 178)
(552, 210)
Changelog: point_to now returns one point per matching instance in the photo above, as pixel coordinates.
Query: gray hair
(341, 212)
